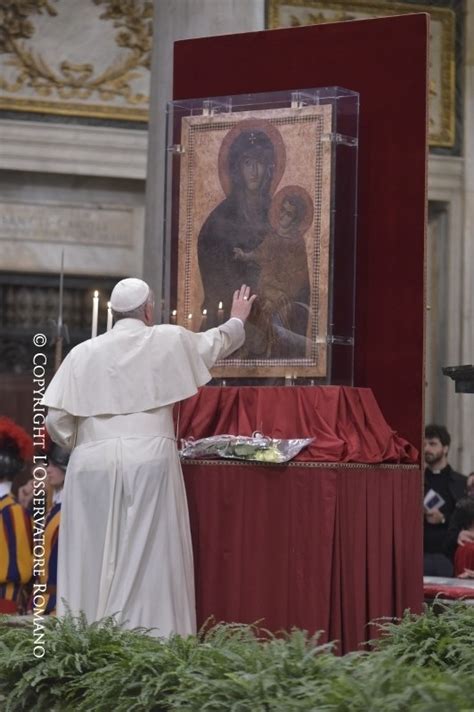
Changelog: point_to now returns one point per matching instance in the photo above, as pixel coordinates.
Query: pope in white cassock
(124, 541)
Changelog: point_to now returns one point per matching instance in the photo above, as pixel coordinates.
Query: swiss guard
(16, 555)
(58, 459)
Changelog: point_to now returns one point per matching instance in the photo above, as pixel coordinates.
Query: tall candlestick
(58, 347)
(61, 296)
(220, 313)
(109, 316)
(95, 313)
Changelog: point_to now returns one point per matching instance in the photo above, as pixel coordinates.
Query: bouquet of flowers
(257, 448)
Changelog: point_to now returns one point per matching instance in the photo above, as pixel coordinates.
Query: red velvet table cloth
(322, 543)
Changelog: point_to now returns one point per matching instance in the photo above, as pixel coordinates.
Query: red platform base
(320, 546)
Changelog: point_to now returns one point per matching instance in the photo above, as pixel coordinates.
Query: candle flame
(174, 312)
(190, 316)
(220, 305)
(96, 294)
(109, 305)
(204, 312)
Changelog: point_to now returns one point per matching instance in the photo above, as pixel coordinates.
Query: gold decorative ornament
(77, 81)
(294, 13)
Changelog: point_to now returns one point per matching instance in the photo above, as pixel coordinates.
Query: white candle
(220, 313)
(190, 321)
(109, 316)
(173, 316)
(95, 313)
(204, 319)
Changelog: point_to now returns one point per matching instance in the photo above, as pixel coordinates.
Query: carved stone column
(173, 21)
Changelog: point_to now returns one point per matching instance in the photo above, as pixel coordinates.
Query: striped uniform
(16, 556)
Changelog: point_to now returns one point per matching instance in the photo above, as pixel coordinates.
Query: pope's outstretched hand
(242, 303)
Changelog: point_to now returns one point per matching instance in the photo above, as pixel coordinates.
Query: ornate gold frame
(71, 81)
(377, 8)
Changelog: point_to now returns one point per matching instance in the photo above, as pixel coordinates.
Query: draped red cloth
(311, 544)
(346, 423)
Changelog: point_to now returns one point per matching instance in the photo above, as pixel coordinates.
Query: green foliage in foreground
(422, 663)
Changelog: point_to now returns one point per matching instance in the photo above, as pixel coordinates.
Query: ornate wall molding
(88, 58)
(445, 175)
(67, 223)
(73, 150)
(442, 87)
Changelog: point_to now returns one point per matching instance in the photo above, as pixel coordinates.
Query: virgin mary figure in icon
(252, 238)
(251, 163)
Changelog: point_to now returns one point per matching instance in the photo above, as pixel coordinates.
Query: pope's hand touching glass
(242, 303)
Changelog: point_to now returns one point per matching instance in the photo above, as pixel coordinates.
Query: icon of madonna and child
(256, 236)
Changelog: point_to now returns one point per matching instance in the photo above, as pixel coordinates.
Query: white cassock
(124, 541)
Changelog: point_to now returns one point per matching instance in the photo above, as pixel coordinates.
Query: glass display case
(261, 189)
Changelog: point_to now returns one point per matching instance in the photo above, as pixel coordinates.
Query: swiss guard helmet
(16, 448)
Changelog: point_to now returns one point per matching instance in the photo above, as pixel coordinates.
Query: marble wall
(450, 266)
(465, 403)
(81, 187)
(97, 221)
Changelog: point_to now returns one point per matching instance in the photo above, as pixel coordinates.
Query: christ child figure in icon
(283, 284)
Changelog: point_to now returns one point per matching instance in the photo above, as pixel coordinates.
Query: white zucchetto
(129, 294)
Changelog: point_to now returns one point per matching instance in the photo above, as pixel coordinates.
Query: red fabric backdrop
(332, 547)
(386, 61)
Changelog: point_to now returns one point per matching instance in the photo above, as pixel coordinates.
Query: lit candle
(95, 313)
(109, 316)
(190, 321)
(204, 319)
(220, 313)
(173, 316)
